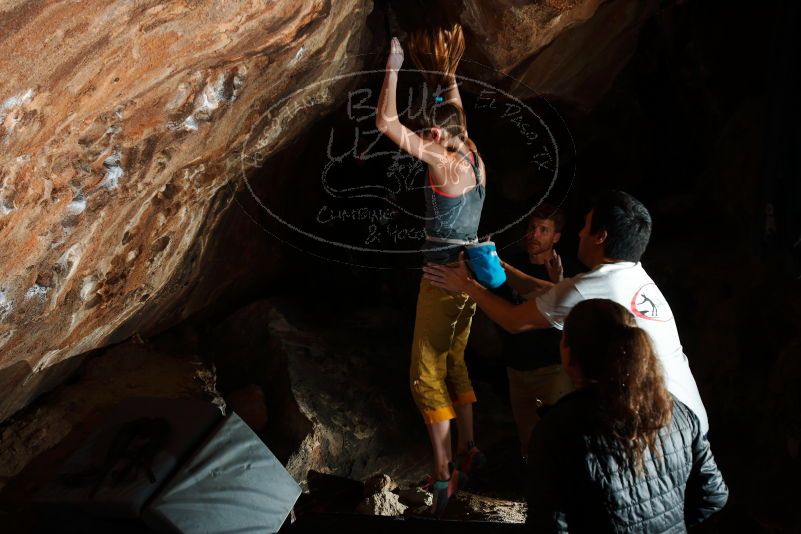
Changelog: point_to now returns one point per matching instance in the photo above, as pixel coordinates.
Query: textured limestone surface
(121, 134)
(123, 127)
(509, 31)
(570, 49)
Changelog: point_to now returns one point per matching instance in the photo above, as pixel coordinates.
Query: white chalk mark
(190, 124)
(68, 262)
(6, 207)
(88, 285)
(113, 171)
(8, 111)
(6, 306)
(298, 56)
(36, 290)
(77, 205)
(5, 337)
(15, 102)
(213, 95)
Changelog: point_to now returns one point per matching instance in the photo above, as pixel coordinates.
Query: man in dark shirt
(532, 358)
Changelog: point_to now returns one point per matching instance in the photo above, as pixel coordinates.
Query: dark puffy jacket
(579, 480)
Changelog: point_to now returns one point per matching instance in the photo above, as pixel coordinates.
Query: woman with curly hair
(620, 453)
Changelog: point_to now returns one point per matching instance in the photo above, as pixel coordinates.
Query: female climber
(454, 198)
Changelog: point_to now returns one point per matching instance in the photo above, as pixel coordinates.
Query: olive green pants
(438, 374)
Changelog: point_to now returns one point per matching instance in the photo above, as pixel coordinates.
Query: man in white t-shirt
(615, 234)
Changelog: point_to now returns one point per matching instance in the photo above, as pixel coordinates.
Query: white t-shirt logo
(648, 303)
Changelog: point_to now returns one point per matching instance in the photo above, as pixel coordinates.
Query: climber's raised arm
(387, 120)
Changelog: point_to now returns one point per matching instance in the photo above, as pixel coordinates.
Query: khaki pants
(438, 374)
(528, 389)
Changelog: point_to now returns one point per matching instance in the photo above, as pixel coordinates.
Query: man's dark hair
(547, 212)
(627, 224)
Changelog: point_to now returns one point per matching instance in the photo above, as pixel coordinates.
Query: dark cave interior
(701, 125)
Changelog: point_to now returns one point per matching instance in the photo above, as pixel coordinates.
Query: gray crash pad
(233, 483)
(137, 447)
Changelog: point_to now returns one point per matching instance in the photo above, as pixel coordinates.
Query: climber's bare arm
(389, 124)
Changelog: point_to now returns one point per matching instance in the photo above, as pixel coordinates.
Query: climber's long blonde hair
(437, 51)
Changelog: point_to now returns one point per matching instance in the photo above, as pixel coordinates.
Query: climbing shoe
(470, 460)
(443, 490)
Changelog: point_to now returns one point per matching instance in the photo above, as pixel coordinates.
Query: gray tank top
(452, 220)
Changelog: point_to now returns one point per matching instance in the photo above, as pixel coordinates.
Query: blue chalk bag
(486, 264)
